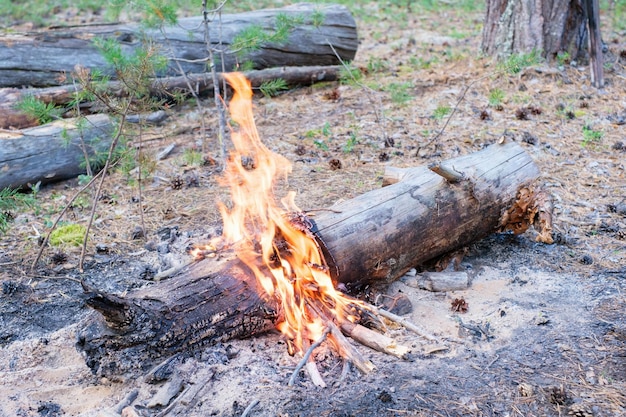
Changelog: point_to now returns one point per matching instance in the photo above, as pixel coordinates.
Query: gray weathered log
(48, 57)
(202, 85)
(423, 215)
(52, 152)
(373, 238)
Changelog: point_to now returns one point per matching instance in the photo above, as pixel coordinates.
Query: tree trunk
(373, 238)
(549, 26)
(52, 152)
(47, 58)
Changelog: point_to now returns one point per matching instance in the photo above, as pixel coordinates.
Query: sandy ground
(544, 334)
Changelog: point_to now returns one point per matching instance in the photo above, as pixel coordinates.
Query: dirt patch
(544, 333)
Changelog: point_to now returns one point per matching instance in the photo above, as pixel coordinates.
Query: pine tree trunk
(549, 26)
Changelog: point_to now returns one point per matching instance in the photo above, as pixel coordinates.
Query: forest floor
(552, 339)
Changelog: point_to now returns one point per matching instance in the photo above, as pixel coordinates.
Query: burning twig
(306, 356)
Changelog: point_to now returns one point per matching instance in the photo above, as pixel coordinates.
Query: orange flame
(288, 264)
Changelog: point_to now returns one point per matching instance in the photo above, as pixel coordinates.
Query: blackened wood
(213, 301)
(48, 57)
(373, 238)
(52, 152)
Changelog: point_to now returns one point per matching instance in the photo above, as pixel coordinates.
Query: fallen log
(46, 58)
(201, 84)
(40, 153)
(52, 152)
(373, 238)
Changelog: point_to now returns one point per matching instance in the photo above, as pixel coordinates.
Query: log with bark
(52, 152)
(371, 239)
(201, 84)
(321, 35)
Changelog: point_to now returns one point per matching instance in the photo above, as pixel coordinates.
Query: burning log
(282, 269)
(214, 300)
(46, 58)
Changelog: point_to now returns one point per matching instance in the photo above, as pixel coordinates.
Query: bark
(596, 62)
(47, 58)
(202, 84)
(373, 238)
(549, 26)
(52, 152)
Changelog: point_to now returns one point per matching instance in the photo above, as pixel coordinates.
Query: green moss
(68, 234)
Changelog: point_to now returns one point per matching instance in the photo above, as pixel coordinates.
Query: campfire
(275, 241)
(267, 270)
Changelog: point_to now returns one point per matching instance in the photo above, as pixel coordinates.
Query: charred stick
(307, 355)
(173, 270)
(344, 371)
(249, 408)
(374, 340)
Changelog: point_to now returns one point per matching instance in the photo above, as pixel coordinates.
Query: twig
(59, 217)
(126, 401)
(375, 340)
(489, 365)
(456, 106)
(306, 356)
(405, 323)
(344, 371)
(104, 171)
(249, 408)
(314, 373)
(348, 351)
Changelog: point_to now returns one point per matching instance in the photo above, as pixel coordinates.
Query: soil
(544, 333)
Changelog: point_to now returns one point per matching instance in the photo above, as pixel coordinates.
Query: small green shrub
(591, 137)
(495, 97)
(38, 110)
(399, 92)
(441, 111)
(273, 87)
(515, 63)
(10, 201)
